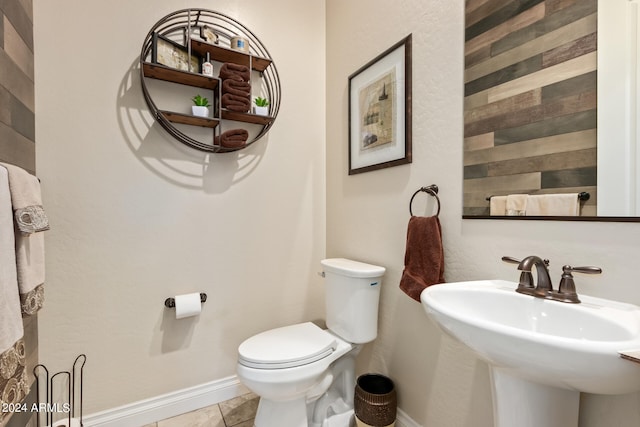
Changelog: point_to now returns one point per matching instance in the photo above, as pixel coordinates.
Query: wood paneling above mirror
(530, 110)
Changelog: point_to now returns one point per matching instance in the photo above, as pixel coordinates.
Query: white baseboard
(179, 402)
(168, 405)
(403, 420)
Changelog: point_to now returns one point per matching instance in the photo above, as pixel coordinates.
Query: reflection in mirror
(534, 109)
(618, 185)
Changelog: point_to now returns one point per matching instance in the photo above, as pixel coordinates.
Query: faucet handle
(511, 260)
(567, 288)
(586, 270)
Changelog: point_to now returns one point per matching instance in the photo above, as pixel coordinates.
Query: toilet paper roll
(188, 305)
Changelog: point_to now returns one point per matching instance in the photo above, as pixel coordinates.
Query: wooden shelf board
(223, 54)
(260, 64)
(187, 119)
(161, 72)
(246, 117)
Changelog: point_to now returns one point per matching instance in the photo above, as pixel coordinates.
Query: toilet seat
(287, 347)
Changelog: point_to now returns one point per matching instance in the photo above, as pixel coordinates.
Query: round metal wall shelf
(191, 34)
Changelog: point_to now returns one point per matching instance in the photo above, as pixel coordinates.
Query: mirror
(550, 107)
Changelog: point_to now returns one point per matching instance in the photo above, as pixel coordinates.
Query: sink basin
(532, 343)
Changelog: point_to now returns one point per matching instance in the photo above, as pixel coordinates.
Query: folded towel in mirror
(516, 204)
(498, 205)
(566, 204)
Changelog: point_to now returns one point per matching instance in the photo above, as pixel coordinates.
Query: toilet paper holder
(171, 302)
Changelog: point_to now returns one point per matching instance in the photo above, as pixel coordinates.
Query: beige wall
(440, 383)
(136, 217)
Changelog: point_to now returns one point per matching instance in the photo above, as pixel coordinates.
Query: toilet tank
(352, 295)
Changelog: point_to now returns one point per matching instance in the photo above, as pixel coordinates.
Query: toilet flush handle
(321, 273)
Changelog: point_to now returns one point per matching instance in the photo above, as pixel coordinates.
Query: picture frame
(172, 54)
(380, 111)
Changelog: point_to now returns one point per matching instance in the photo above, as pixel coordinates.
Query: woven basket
(375, 402)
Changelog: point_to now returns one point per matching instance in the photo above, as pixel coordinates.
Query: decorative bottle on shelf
(207, 67)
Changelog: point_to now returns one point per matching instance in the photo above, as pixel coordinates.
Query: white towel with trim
(30, 220)
(26, 199)
(10, 314)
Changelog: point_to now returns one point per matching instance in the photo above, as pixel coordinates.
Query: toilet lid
(286, 347)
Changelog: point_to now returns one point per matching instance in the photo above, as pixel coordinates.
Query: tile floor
(237, 412)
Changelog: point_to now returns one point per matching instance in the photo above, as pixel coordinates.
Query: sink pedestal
(521, 403)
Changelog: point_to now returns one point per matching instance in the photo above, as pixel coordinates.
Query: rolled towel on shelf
(235, 87)
(236, 103)
(234, 138)
(230, 70)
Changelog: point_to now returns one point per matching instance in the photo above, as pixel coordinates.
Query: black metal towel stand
(49, 407)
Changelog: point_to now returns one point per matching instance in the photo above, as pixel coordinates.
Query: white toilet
(305, 375)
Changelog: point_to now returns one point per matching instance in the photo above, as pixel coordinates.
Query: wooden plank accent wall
(17, 134)
(530, 110)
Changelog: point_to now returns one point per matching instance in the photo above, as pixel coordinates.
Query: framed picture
(172, 54)
(380, 111)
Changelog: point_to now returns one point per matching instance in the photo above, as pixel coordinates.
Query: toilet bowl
(305, 375)
(285, 383)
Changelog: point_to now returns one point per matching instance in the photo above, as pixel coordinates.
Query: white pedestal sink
(542, 353)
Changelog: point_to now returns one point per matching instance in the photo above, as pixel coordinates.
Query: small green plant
(200, 101)
(261, 102)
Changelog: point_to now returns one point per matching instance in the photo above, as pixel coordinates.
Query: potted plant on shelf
(261, 106)
(200, 107)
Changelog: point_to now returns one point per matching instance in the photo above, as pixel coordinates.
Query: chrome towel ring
(432, 190)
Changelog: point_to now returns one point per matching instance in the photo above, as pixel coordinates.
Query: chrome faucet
(544, 289)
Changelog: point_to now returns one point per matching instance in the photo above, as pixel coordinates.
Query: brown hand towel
(231, 70)
(424, 256)
(234, 138)
(235, 87)
(236, 103)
